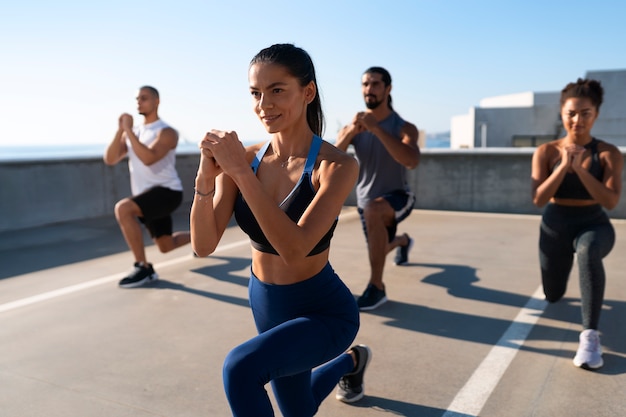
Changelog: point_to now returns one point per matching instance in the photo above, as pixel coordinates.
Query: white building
(529, 119)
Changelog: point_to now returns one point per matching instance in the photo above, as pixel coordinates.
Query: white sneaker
(589, 353)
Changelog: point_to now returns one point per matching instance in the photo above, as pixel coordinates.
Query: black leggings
(586, 231)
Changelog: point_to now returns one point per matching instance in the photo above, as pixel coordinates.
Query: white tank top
(161, 173)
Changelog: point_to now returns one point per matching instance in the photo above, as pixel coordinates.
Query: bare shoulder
(168, 136)
(330, 154)
(252, 150)
(409, 128)
(549, 149)
(607, 147)
(168, 131)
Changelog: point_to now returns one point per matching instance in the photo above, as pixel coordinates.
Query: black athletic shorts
(157, 205)
(402, 203)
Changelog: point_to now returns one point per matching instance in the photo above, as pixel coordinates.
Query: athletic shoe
(351, 387)
(589, 353)
(402, 252)
(371, 298)
(141, 275)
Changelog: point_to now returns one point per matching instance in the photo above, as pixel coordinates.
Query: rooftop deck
(461, 335)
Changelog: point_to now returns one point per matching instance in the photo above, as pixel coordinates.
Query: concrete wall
(34, 193)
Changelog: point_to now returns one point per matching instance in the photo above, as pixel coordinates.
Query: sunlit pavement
(460, 336)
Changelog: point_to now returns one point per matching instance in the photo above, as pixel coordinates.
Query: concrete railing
(35, 193)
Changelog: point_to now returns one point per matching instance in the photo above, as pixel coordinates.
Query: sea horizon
(9, 153)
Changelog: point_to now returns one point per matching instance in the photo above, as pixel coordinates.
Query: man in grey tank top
(386, 147)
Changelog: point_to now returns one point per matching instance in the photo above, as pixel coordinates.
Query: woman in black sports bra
(286, 194)
(576, 178)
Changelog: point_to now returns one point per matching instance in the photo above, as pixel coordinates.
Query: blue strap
(259, 156)
(316, 144)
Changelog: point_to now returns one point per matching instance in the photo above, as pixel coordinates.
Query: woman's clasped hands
(221, 151)
(572, 156)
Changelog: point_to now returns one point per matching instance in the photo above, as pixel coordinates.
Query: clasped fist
(126, 121)
(572, 154)
(223, 150)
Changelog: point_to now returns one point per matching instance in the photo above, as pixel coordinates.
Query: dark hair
(152, 90)
(584, 88)
(299, 64)
(386, 77)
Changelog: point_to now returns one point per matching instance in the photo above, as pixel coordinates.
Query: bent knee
(165, 243)
(127, 207)
(378, 209)
(237, 365)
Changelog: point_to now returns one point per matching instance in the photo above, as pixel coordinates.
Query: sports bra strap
(316, 144)
(259, 156)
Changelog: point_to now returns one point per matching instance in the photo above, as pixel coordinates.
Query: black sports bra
(294, 205)
(571, 187)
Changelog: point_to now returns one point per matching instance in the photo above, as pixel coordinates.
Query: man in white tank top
(385, 146)
(155, 185)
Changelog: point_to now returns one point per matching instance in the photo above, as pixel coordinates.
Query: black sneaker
(371, 298)
(402, 252)
(141, 275)
(351, 387)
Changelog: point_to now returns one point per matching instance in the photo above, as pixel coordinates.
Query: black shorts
(402, 203)
(157, 205)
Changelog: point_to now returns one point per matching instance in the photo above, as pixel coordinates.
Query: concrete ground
(461, 335)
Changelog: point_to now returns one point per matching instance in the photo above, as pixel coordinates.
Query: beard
(372, 104)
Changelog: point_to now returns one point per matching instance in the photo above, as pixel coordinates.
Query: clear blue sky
(69, 68)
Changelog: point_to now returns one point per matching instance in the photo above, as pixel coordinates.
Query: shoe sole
(589, 367)
(362, 394)
(408, 250)
(372, 307)
(351, 400)
(144, 281)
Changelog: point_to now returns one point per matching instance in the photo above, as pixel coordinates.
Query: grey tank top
(379, 173)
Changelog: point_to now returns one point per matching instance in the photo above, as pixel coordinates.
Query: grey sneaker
(371, 298)
(141, 275)
(351, 387)
(402, 252)
(589, 354)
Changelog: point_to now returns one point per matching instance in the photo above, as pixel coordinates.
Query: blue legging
(586, 231)
(301, 326)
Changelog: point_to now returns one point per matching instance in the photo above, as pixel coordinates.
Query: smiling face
(578, 115)
(278, 99)
(374, 90)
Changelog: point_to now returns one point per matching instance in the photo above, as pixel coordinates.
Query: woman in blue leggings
(286, 194)
(577, 177)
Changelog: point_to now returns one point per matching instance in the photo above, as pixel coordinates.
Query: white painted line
(473, 396)
(99, 281)
(12, 305)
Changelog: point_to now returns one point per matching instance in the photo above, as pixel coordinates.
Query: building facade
(531, 118)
